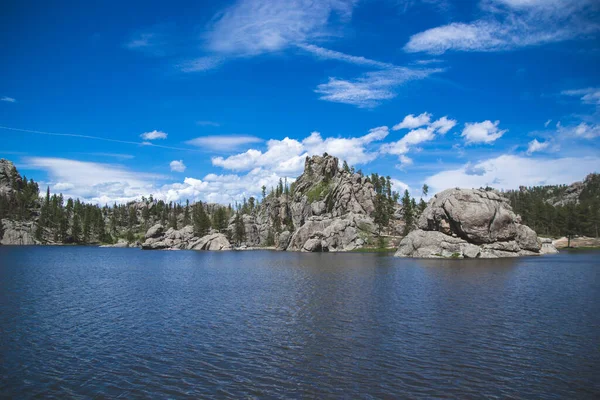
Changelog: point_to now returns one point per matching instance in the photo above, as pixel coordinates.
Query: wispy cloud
(8, 99)
(510, 24)
(153, 43)
(589, 95)
(327, 54)
(223, 142)
(370, 89)
(74, 135)
(201, 64)
(252, 27)
(154, 135)
(112, 155)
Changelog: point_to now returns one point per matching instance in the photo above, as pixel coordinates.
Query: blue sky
(114, 100)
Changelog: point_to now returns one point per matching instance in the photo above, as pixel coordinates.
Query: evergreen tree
(239, 233)
(186, 214)
(76, 228)
(408, 211)
(201, 220)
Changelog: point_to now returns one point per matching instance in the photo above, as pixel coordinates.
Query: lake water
(81, 322)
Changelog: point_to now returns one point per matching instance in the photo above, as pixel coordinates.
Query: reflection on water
(85, 322)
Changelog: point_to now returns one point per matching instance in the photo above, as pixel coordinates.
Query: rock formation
(471, 223)
(17, 233)
(327, 209)
(183, 239)
(8, 175)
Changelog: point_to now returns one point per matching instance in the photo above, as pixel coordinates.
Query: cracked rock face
(470, 223)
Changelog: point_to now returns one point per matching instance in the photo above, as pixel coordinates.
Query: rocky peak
(8, 173)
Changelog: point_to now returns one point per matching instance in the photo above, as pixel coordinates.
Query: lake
(81, 322)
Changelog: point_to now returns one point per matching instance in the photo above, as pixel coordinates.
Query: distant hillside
(560, 210)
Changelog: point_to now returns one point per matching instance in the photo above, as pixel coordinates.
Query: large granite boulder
(213, 242)
(471, 223)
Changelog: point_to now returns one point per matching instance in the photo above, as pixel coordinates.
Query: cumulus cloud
(534, 146)
(411, 122)
(371, 89)
(510, 171)
(510, 24)
(108, 183)
(482, 132)
(153, 135)
(8, 99)
(287, 156)
(426, 132)
(177, 166)
(223, 142)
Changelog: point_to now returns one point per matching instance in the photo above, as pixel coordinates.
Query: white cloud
(509, 172)
(8, 99)
(588, 95)
(97, 182)
(443, 125)
(223, 142)
(153, 135)
(482, 132)
(534, 146)
(426, 132)
(252, 27)
(547, 123)
(509, 24)
(108, 183)
(412, 122)
(141, 40)
(370, 89)
(201, 64)
(336, 55)
(399, 186)
(583, 131)
(177, 166)
(286, 157)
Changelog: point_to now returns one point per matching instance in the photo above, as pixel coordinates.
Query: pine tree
(408, 211)
(76, 228)
(239, 234)
(186, 214)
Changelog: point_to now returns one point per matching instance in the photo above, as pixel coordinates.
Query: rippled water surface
(91, 322)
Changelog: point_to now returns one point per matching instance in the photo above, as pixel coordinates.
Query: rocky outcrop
(470, 223)
(8, 176)
(332, 234)
(183, 239)
(326, 209)
(17, 233)
(213, 242)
